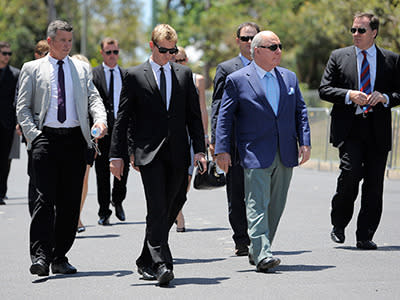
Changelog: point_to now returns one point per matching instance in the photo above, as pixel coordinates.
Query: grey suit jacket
(35, 92)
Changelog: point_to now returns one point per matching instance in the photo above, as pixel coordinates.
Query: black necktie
(163, 85)
(111, 87)
(61, 112)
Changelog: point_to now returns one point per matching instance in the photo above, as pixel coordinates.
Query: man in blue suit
(272, 134)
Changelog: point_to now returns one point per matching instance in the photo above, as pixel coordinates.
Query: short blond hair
(164, 32)
(42, 47)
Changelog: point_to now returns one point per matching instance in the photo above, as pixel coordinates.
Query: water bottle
(96, 132)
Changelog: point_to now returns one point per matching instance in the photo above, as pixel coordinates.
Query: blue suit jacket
(259, 130)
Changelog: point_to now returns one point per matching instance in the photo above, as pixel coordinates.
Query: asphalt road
(312, 267)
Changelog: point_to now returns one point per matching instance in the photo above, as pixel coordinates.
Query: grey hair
(58, 25)
(257, 41)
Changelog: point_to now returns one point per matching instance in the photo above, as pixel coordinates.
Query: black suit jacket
(341, 75)
(8, 83)
(142, 106)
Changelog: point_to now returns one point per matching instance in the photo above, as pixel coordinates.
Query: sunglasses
(272, 47)
(165, 50)
(360, 30)
(180, 60)
(4, 53)
(246, 38)
(115, 52)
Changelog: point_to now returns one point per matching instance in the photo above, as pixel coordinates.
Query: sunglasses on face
(180, 60)
(272, 47)
(4, 53)
(115, 52)
(165, 50)
(360, 30)
(246, 38)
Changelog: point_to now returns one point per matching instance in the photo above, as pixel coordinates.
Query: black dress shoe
(268, 263)
(147, 273)
(2, 202)
(119, 212)
(105, 220)
(337, 235)
(366, 245)
(63, 268)
(40, 268)
(164, 275)
(241, 250)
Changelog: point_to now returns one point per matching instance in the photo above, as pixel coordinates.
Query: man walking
(362, 82)
(55, 97)
(272, 132)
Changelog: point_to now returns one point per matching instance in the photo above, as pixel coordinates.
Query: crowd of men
(149, 116)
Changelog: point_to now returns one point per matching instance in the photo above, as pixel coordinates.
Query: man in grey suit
(234, 185)
(56, 95)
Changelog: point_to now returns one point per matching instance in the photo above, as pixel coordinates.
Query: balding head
(263, 56)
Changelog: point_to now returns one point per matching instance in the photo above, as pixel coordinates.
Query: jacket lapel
(104, 83)
(149, 75)
(380, 63)
(255, 83)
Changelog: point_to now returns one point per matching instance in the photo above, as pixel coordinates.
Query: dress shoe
(251, 260)
(180, 229)
(366, 245)
(104, 220)
(337, 235)
(147, 273)
(164, 275)
(241, 250)
(2, 202)
(268, 263)
(119, 212)
(63, 268)
(40, 268)
(80, 229)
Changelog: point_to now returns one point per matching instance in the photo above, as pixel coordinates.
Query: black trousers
(360, 159)
(6, 138)
(165, 191)
(59, 162)
(32, 193)
(102, 167)
(236, 204)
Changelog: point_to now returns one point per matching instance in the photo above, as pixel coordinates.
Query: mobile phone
(200, 166)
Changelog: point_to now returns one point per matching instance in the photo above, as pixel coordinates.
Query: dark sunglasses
(115, 52)
(180, 60)
(6, 53)
(165, 50)
(272, 47)
(246, 38)
(360, 30)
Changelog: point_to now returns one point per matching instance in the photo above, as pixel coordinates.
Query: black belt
(61, 131)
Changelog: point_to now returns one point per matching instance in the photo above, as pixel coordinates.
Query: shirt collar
(106, 68)
(54, 61)
(261, 72)
(245, 61)
(371, 51)
(155, 66)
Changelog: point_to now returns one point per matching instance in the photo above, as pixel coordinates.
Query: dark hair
(58, 25)
(373, 20)
(4, 45)
(247, 24)
(108, 41)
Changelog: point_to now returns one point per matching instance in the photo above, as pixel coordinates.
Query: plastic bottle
(96, 132)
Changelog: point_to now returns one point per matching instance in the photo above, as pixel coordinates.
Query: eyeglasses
(4, 53)
(360, 30)
(165, 50)
(115, 52)
(272, 47)
(180, 60)
(246, 38)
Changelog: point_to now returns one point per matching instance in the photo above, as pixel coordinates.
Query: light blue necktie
(272, 91)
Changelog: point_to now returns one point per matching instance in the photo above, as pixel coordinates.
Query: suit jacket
(35, 92)
(152, 124)
(259, 130)
(223, 70)
(341, 75)
(99, 80)
(8, 83)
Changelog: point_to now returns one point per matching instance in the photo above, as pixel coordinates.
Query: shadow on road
(380, 248)
(187, 281)
(116, 273)
(179, 261)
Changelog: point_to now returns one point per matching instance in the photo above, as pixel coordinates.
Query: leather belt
(61, 130)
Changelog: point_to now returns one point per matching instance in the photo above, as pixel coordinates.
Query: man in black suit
(160, 104)
(362, 82)
(107, 78)
(235, 180)
(8, 81)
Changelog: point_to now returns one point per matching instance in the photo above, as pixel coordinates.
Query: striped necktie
(365, 81)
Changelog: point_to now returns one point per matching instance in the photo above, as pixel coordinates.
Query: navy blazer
(259, 130)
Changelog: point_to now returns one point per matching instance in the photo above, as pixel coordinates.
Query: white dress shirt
(117, 85)
(168, 77)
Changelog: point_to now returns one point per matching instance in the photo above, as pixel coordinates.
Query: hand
(375, 98)
(304, 153)
(212, 150)
(132, 160)
(224, 161)
(206, 141)
(18, 129)
(202, 159)
(102, 127)
(359, 98)
(117, 168)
